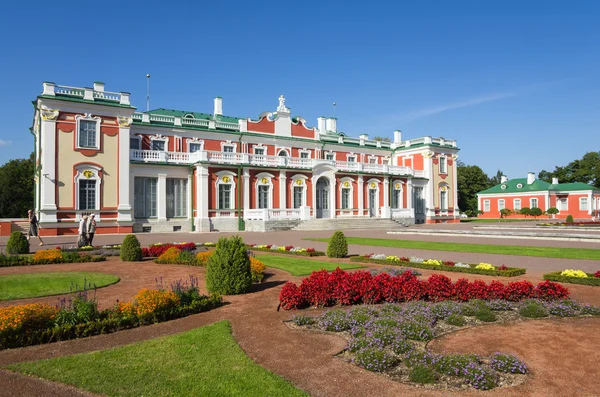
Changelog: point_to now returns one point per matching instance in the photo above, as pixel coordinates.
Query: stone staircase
(354, 223)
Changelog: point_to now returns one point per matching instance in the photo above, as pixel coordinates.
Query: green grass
(32, 285)
(301, 267)
(490, 220)
(206, 361)
(546, 252)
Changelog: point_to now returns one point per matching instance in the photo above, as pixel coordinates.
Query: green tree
(525, 211)
(228, 269)
(16, 188)
(505, 212)
(338, 246)
(552, 211)
(535, 212)
(470, 180)
(586, 170)
(382, 139)
(497, 179)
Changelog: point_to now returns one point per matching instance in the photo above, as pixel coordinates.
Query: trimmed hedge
(589, 280)
(510, 272)
(68, 257)
(305, 253)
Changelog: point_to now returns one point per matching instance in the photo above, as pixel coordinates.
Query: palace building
(172, 170)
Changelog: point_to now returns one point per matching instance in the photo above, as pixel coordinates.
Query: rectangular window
(158, 145)
(372, 160)
(500, 204)
(328, 156)
(443, 168)
(443, 200)
(144, 197)
(345, 198)
(534, 203)
(562, 204)
(352, 159)
(87, 195)
(224, 197)
(195, 147)
(263, 196)
(517, 204)
(486, 205)
(176, 198)
(135, 143)
(259, 151)
(298, 196)
(228, 149)
(583, 204)
(304, 155)
(87, 133)
(396, 198)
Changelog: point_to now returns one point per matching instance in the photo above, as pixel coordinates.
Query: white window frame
(444, 204)
(376, 188)
(95, 176)
(185, 203)
(231, 182)
(283, 150)
(332, 154)
(228, 143)
(303, 179)
(159, 138)
(503, 206)
(531, 203)
(486, 206)
(139, 139)
(260, 146)
(397, 186)
(444, 161)
(372, 160)
(350, 186)
(559, 204)
(587, 204)
(87, 117)
(515, 201)
(305, 151)
(145, 216)
(269, 182)
(195, 141)
(352, 156)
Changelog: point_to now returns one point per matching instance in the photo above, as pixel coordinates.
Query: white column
(246, 191)
(48, 172)
(332, 193)
(161, 197)
(361, 196)
(409, 194)
(202, 222)
(455, 187)
(124, 206)
(385, 210)
(282, 190)
(188, 193)
(590, 201)
(429, 190)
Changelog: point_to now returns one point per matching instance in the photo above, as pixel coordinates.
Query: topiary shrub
(338, 246)
(569, 219)
(17, 244)
(228, 269)
(130, 249)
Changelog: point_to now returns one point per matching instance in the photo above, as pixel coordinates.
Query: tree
(17, 182)
(505, 212)
(552, 211)
(470, 180)
(535, 212)
(382, 139)
(228, 271)
(586, 170)
(525, 211)
(497, 179)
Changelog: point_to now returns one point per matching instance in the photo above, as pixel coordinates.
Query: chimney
(530, 177)
(331, 124)
(397, 136)
(218, 106)
(555, 181)
(503, 179)
(321, 124)
(98, 86)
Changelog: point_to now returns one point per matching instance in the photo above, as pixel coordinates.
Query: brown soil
(560, 352)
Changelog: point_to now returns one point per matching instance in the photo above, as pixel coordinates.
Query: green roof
(519, 185)
(197, 115)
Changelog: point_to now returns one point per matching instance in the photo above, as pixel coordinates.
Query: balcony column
(161, 197)
(282, 189)
(124, 205)
(409, 194)
(385, 210)
(246, 191)
(361, 196)
(201, 220)
(47, 135)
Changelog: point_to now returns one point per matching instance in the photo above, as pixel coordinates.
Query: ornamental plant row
(45, 257)
(154, 251)
(432, 264)
(287, 249)
(322, 289)
(589, 279)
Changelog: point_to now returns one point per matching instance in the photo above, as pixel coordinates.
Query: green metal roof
(519, 185)
(197, 115)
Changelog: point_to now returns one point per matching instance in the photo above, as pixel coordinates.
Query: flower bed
(288, 249)
(156, 250)
(574, 277)
(78, 316)
(322, 289)
(581, 223)
(50, 256)
(392, 339)
(447, 266)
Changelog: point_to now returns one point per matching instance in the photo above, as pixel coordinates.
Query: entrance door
(419, 205)
(322, 193)
(372, 202)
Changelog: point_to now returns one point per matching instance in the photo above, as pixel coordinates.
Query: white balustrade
(258, 214)
(403, 213)
(224, 213)
(107, 96)
(195, 122)
(137, 116)
(296, 162)
(226, 157)
(419, 173)
(348, 166)
(286, 213)
(70, 91)
(178, 157)
(227, 126)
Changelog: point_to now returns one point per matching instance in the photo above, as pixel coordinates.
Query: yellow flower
(573, 273)
(485, 266)
(432, 262)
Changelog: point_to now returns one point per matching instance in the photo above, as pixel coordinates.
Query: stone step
(356, 223)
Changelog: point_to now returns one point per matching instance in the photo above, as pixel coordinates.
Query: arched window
(283, 153)
(225, 187)
(298, 191)
(397, 195)
(444, 192)
(88, 180)
(346, 193)
(264, 190)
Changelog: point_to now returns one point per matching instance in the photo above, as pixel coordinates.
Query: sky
(515, 83)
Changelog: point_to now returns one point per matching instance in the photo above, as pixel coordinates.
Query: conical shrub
(17, 244)
(228, 269)
(338, 246)
(130, 249)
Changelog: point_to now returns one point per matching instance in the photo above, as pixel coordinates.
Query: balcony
(249, 159)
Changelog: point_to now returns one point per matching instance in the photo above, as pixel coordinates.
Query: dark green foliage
(17, 244)
(456, 319)
(17, 181)
(422, 374)
(130, 249)
(589, 280)
(569, 219)
(228, 269)
(586, 170)
(535, 212)
(454, 364)
(374, 359)
(470, 180)
(533, 310)
(416, 331)
(552, 211)
(338, 246)
(486, 315)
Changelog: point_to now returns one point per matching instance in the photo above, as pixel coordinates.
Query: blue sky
(516, 83)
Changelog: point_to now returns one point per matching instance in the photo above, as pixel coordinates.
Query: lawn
(490, 220)
(301, 267)
(32, 285)
(547, 252)
(206, 361)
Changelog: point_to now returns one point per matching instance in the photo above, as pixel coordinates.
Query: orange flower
(48, 256)
(35, 315)
(202, 257)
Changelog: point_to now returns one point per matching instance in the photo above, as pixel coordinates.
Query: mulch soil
(561, 353)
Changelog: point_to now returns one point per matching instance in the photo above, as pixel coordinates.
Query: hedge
(510, 272)
(305, 253)
(589, 280)
(9, 260)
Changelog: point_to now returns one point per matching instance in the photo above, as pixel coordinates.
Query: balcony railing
(213, 157)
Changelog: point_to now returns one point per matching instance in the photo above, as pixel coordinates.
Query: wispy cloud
(4, 143)
(419, 113)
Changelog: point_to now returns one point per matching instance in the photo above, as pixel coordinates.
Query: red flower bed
(342, 288)
(158, 250)
(597, 274)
